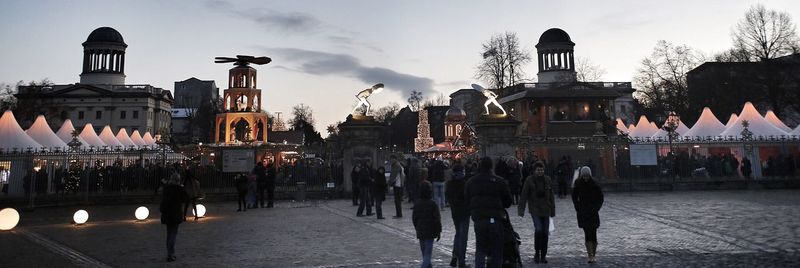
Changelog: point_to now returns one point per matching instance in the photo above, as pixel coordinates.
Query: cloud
(288, 22)
(324, 63)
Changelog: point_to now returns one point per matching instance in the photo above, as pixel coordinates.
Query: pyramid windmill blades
(261, 60)
(224, 59)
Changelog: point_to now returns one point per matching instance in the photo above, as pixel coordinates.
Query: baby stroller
(511, 255)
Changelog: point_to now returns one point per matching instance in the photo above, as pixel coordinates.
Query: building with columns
(558, 104)
(101, 97)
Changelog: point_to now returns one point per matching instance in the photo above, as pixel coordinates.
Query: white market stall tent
(706, 126)
(43, 134)
(12, 135)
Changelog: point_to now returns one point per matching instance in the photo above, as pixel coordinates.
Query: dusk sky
(324, 52)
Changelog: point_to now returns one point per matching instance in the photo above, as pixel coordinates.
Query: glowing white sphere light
(9, 218)
(141, 213)
(80, 217)
(201, 211)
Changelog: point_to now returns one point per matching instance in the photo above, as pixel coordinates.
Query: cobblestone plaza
(648, 229)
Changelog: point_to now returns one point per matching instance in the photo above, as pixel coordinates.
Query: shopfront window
(559, 112)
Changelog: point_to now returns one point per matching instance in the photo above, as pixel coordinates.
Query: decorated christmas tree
(423, 140)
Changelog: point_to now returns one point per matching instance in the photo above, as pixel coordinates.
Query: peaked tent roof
(148, 139)
(107, 136)
(12, 135)
(731, 120)
(796, 131)
(91, 138)
(42, 134)
(621, 126)
(682, 128)
(631, 127)
(772, 118)
(65, 132)
(122, 137)
(758, 125)
(644, 128)
(137, 139)
(706, 125)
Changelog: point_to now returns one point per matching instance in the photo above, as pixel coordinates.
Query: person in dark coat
(379, 190)
(487, 197)
(427, 222)
(173, 198)
(747, 168)
(192, 187)
(241, 190)
(261, 182)
(514, 178)
(454, 191)
(537, 194)
(364, 186)
(354, 175)
(588, 199)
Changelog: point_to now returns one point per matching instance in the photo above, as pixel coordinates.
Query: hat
(586, 171)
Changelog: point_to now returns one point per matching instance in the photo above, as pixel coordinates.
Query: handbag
(552, 227)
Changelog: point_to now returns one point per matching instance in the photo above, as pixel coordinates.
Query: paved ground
(678, 229)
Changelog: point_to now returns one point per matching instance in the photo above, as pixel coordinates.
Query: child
(427, 222)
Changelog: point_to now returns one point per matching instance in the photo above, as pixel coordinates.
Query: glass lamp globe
(141, 213)
(80, 217)
(201, 211)
(9, 218)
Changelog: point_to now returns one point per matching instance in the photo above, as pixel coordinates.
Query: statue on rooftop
(491, 98)
(363, 95)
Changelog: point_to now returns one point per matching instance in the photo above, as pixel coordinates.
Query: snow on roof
(107, 136)
(772, 118)
(706, 125)
(91, 138)
(137, 138)
(758, 125)
(12, 135)
(122, 137)
(42, 134)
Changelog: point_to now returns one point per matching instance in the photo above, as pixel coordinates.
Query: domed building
(101, 97)
(454, 121)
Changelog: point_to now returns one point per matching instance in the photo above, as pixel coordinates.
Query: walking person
(454, 191)
(537, 194)
(514, 178)
(354, 175)
(192, 186)
(173, 198)
(241, 190)
(562, 173)
(365, 184)
(379, 190)
(588, 199)
(396, 179)
(437, 177)
(487, 197)
(427, 223)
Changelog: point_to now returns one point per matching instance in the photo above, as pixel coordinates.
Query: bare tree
(661, 78)
(503, 61)
(387, 113)
(302, 114)
(415, 100)
(587, 71)
(765, 34)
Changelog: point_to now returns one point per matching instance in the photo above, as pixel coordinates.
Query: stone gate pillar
(496, 135)
(359, 137)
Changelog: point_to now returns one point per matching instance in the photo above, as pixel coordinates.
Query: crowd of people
(480, 191)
